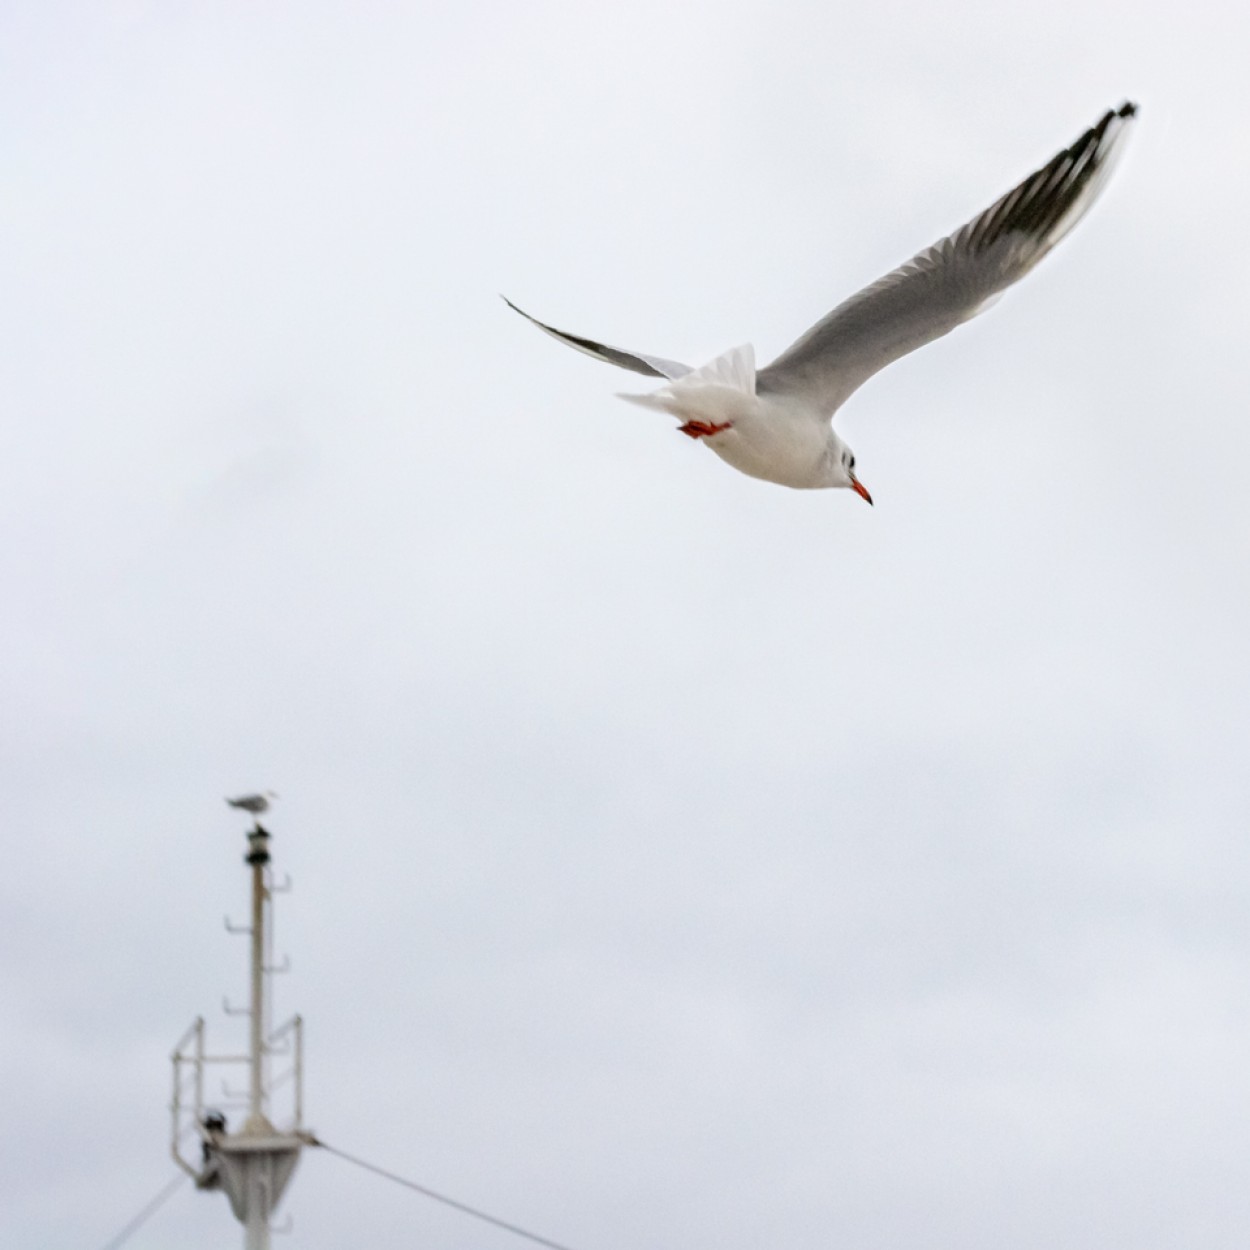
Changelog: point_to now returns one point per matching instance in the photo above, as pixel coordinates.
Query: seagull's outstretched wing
(652, 366)
(951, 281)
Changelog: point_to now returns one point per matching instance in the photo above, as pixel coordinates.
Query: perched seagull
(257, 804)
(776, 423)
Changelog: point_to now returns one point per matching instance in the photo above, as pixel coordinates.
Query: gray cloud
(678, 859)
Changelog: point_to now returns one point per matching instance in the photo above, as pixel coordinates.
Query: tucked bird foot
(701, 429)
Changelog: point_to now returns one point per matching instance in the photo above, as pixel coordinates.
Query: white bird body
(785, 442)
(776, 423)
(774, 438)
(255, 804)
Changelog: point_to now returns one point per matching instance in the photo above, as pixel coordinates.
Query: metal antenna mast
(254, 1164)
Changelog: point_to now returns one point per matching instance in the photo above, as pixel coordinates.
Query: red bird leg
(701, 429)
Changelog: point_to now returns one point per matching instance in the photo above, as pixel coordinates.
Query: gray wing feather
(953, 280)
(651, 366)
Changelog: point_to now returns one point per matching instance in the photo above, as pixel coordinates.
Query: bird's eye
(850, 464)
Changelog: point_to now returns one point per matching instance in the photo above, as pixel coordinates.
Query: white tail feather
(715, 391)
(734, 368)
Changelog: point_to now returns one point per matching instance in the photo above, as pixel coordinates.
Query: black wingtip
(1127, 109)
(520, 312)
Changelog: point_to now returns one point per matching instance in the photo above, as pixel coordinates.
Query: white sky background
(679, 860)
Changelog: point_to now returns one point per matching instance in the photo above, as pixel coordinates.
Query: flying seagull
(257, 804)
(776, 423)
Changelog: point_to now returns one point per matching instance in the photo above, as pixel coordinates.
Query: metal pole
(254, 1164)
(258, 858)
(199, 1065)
(256, 1224)
(256, 1227)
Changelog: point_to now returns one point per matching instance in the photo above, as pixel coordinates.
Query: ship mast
(253, 1165)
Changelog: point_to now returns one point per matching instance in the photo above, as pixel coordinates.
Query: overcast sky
(680, 861)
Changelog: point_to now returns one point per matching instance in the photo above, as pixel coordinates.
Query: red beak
(858, 487)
